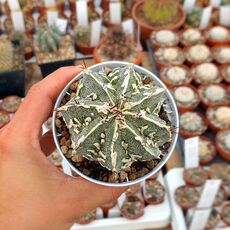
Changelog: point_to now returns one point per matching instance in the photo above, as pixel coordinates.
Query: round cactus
(48, 38)
(6, 54)
(160, 13)
(114, 119)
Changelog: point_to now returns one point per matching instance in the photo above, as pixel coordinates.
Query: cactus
(82, 34)
(118, 45)
(48, 38)
(193, 17)
(6, 54)
(160, 13)
(114, 119)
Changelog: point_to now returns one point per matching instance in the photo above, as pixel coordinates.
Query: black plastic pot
(48, 68)
(12, 83)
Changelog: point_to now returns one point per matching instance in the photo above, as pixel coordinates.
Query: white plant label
(191, 152)
(96, 27)
(215, 3)
(61, 25)
(50, 3)
(205, 17)
(128, 27)
(199, 219)
(18, 21)
(14, 5)
(225, 15)
(188, 5)
(208, 194)
(115, 12)
(82, 13)
(52, 17)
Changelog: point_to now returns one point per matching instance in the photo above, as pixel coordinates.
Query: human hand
(34, 194)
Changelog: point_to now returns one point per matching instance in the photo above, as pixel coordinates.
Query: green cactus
(193, 17)
(114, 119)
(160, 12)
(48, 38)
(6, 54)
(82, 34)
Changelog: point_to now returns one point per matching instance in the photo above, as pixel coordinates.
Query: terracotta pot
(223, 74)
(213, 50)
(212, 42)
(171, 85)
(97, 58)
(184, 134)
(222, 216)
(147, 29)
(105, 4)
(205, 104)
(220, 150)
(203, 162)
(183, 109)
(106, 207)
(84, 49)
(60, 7)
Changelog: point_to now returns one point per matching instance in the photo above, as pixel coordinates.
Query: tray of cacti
(82, 36)
(133, 210)
(125, 15)
(12, 76)
(119, 46)
(154, 15)
(184, 188)
(53, 50)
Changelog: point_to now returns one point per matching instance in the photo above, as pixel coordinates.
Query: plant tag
(225, 15)
(95, 32)
(188, 5)
(52, 17)
(61, 25)
(115, 12)
(14, 5)
(199, 219)
(208, 194)
(215, 3)
(191, 152)
(49, 3)
(82, 13)
(128, 27)
(205, 18)
(18, 21)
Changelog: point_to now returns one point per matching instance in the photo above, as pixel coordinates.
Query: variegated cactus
(114, 118)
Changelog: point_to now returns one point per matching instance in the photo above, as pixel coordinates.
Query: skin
(34, 194)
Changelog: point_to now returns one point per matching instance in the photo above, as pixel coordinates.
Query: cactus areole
(114, 119)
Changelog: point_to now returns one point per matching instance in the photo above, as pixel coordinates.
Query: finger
(40, 100)
(47, 143)
(88, 195)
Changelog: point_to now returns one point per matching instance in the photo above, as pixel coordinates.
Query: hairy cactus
(114, 119)
(159, 13)
(6, 54)
(48, 38)
(118, 45)
(82, 34)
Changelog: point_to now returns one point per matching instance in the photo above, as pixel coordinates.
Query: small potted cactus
(53, 50)
(25, 5)
(82, 35)
(117, 45)
(119, 128)
(12, 76)
(157, 15)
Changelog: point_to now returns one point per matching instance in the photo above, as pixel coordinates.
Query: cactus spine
(114, 119)
(48, 38)
(6, 54)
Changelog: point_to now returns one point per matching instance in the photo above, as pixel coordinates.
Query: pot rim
(175, 122)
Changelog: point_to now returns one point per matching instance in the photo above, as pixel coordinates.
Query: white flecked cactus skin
(113, 119)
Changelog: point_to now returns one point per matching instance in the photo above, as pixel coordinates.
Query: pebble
(64, 149)
(132, 176)
(58, 123)
(112, 178)
(123, 176)
(86, 172)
